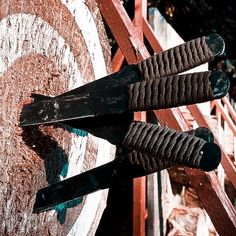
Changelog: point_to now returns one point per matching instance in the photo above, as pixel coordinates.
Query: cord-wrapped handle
(183, 57)
(139, 164)
(177, 90)
(172, 146)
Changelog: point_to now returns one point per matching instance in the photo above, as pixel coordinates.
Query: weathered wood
(191, 198)
(230, 122)
(232, 112)
(117, 60)
(139, 196)
(226, 162)
(46, 47)
(140, 13)
(153, 221)
(178, 175)
(215, 202)
(139, 203)
(185, 221)
(123, 30)
(150, 35)
(212, 197)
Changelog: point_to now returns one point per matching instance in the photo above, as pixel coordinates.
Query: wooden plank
(216, 202)
(225, 116)
(230, 169)
(230, 109)
(139, 184)
(139, 202)
(155, 195)
(139, 196)
(172, 116)
(153, 221)
(140, 13)
(122, 28)
(117, 60)
(150, 36)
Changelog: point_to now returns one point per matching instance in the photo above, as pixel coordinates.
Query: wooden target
(47, 47)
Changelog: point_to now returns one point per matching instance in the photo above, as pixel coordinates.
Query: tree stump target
(48, 47)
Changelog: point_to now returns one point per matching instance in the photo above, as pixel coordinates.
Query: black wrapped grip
(178, 59)
(169, 146)
(140, 164)
(171, 91)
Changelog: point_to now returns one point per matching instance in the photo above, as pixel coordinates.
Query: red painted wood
(229, 168)
(225, 115)
(123, 30)
(150, 36)
(225, 102)
(139, 203)
(140, 13)
(172, 118)
(139, 184)
(139, 196)
(117, 60)
(230, 108)
(219, 207)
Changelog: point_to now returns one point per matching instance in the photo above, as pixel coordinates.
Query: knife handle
(177, 90)
(183, 57)
(138, 164)
(170, 145)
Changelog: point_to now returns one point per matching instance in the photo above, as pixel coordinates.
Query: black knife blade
(167, 92)
(200, 50)
(130, 165)
(74, 187)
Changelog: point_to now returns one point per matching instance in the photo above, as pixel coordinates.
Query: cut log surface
(47, 47)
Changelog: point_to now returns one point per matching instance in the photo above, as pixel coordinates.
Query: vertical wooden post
(140, 14)
(153, 223)
(139, 184)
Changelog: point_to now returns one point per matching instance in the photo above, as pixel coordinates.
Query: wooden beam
(217, 204)
(140, 13)
(139, 196)
(229, 167)
(230, 109)
(139, 202)
(123, 30)
(153, 221)
(226, 116)
(139, 184)
(117, 60)
(150, 36)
